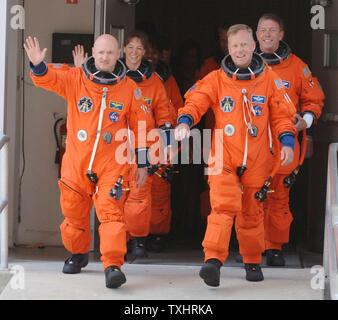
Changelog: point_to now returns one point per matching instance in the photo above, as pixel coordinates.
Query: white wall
(39, 206)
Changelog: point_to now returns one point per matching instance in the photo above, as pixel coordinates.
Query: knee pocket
(280, 221)
(75, 239)
(217, 234)
(74, 202)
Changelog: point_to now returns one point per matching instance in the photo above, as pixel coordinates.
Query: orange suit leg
(112, 229)
(278, 216)
(137, 208)
(75, 205)
(161, 207)
(226, 203)
(250, 227)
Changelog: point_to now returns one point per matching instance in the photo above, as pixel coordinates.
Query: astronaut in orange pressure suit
(141, 202)
(102, 102)
(307, 96)
(242, 138)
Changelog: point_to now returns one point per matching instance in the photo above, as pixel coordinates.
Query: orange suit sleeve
(281, 108)
(311, 95)
(56, 80)
(174, 93)
(199, 98)
(163, 108)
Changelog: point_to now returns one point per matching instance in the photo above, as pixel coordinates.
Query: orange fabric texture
(124, 105)
(155, 95)
(137, 208)
(278, 216)
(161, 209)
(174, 95)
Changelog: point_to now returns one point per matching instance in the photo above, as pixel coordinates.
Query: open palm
(34, 53)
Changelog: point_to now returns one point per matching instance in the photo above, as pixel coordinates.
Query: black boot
(274, 258)
(253, 272)
(114, 277)
(156, 243)
(74, 263)
(138, 248)
(210, 272)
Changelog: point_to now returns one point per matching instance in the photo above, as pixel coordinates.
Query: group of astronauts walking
(260, 95)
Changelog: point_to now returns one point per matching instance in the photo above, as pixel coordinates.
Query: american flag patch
(307, 72)
(279, 84)
(138, 94)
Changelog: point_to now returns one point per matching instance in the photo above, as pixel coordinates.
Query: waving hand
(34, 53)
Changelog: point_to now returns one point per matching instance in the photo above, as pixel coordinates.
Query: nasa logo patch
(114, 116)
(258, 110)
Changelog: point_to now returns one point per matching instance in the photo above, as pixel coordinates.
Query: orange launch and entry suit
(307, 96)
(100, 108)
(244, 104)
(141, 202)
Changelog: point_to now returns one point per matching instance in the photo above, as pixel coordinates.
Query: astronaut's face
(241, 48)
(106, 52)
(134, 52)
(268, 35)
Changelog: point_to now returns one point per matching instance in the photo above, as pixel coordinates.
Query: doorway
(196, 21)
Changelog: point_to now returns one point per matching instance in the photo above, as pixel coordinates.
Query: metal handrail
(330, 253)
(4, 203)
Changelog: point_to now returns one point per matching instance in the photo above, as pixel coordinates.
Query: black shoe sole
(255, 278)
(72, 269)
(116, 281)
(210, 276)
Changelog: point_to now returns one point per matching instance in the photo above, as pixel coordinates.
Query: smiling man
(245, 97)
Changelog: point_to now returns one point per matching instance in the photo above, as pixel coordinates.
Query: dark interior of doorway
(181, 21)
